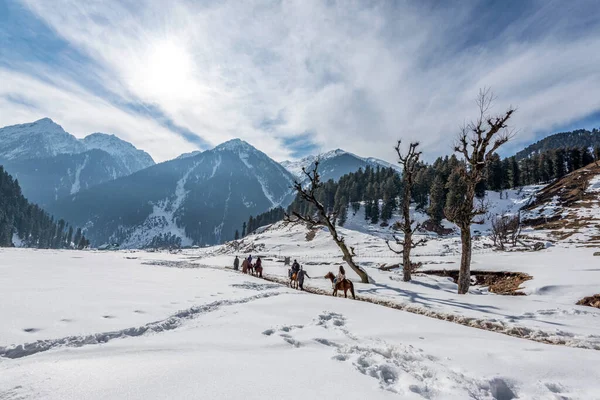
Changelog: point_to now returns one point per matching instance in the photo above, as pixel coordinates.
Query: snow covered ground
(140, 325)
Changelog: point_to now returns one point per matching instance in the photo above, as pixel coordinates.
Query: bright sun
(168, 69)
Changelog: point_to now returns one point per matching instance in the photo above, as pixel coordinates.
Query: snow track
(170, 323)
(558, 337)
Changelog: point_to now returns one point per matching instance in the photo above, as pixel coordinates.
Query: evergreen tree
(237, 235)
(374, 211)
(437, 200)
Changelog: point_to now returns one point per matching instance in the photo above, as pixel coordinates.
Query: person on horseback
(236, 263)
(340, 276)
(258, 263)
(250, 259)
(295, 268)
(301, 274)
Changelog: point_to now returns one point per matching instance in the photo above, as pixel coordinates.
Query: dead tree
(477, 142)
(409, 163)
(323, 218)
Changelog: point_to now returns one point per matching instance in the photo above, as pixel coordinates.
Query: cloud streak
(292, 76)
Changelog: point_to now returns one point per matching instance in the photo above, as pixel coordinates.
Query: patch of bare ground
(310, 235)
(590, 301)
(499, 282)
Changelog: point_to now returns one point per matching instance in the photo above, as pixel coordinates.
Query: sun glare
(168, 69)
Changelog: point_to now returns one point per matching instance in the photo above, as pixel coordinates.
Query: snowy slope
(548, 311)
(334, 164)
(151, 330)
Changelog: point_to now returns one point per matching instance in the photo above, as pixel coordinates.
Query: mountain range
(119, 194)
(51, 163)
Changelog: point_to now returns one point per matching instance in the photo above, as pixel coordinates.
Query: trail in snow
(170, 323)
(77, 183)
(557, 337)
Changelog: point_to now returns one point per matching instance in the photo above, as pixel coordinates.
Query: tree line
(32, 225)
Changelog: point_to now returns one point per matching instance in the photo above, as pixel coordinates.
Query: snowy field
(138, 325)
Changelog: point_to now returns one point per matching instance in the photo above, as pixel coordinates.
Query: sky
(297, 77)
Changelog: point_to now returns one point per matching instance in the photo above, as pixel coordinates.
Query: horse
(251, 268)
(294, 279)
(245, 266)
(344, 285)
(257, 270)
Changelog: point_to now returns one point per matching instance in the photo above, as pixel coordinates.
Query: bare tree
(409, 162)
(505, 229)
(477, 142)
(323, 218)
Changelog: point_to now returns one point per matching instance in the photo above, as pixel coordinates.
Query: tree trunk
(464, 276)
(364, 278)
(406, 227)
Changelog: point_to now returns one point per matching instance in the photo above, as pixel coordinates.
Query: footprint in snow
(31, 330)
(139, 311)
(108, 316)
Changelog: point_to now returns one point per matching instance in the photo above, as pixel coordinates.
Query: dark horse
(257, 270)
(344, 285)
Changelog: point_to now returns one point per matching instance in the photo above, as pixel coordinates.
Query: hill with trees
(26, 223)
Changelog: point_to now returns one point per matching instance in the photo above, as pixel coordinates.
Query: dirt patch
(430, 226)
(590, 301)
(499, 282)
(310, 235)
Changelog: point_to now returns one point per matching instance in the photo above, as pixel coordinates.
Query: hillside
(578, 138)
(195, 200)
(569, 209)
(24, 224)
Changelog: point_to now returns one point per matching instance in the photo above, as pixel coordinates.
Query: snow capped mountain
(50, 163)
(132, 158)
(39, 139)
(190, 154)
(334, 164)
(193, 200)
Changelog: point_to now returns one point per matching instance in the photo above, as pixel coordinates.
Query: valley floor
(141, 325)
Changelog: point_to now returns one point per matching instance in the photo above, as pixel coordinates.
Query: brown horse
(245, 266)
(294, 281)
(344, 285)
(257, 270)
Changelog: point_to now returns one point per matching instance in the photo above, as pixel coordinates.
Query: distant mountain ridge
(50, 162)
(577, 138)
(334, 164)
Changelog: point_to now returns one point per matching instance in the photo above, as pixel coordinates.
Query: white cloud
(81, 113)
(356, 77)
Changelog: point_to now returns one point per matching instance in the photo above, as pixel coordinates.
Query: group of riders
(296, 272)
(247, 265)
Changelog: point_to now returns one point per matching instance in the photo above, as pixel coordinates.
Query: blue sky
(294, 77)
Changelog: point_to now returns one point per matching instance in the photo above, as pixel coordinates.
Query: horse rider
(236, 263)
(340, 276)
(250, 259)
(295, 268)
(258, 263)
(245, 266)
(301, 274)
